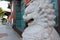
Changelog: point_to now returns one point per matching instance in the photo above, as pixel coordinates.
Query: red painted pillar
(27, 1)
(59, 15)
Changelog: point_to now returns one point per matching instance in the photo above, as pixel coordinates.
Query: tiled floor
(12, 35)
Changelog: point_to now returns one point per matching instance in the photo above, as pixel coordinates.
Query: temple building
(18, 11)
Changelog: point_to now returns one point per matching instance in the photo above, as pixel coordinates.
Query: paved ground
(8, 33)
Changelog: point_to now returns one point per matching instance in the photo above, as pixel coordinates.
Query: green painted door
(19, 11)
(55, 3)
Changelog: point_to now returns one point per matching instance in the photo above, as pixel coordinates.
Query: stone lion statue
(42, 25)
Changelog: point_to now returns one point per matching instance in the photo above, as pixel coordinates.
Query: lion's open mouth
(29, 21)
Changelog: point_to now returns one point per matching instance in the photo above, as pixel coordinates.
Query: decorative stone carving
(42, 27)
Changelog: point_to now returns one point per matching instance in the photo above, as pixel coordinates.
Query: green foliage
(1, 12)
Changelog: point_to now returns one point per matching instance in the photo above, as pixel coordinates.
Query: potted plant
(3, 20)
(1, 13)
